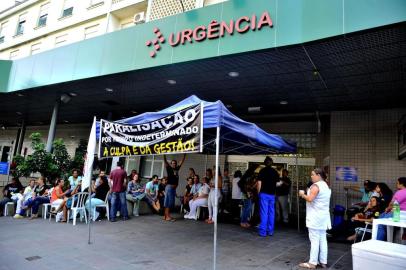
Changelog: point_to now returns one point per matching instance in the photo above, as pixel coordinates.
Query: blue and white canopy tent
(224, 133)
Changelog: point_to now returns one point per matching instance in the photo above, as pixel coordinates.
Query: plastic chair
(78, 206)
(198, 211)
(105, 205)
(6, 208)
(364, 230)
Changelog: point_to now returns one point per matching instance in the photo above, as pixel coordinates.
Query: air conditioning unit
(139, 18)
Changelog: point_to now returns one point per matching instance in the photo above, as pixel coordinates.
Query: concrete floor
(147, 242)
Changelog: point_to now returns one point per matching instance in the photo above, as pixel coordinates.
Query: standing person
(10, 192)
(266, 187)
(172, 170)
(247, 188)
(317, 218)
(236, 193)
(212, 198)
(74, 179)
(118, 178)
(282, 195)
(192, 173)
(226, 190)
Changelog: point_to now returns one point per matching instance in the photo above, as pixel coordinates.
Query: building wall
(368, 141)
(105, 15)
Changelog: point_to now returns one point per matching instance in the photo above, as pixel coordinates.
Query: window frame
(43, 14)
(154, 163)
(21, 23)
(3, 25)
(67, 7)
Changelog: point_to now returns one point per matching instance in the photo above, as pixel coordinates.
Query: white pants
(318, 249)
(211, 203)
(194, 204)
(20, 200)
(282, 205)
(56, 203)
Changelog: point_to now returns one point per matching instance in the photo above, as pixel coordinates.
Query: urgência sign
(214, 30)
(180, 132)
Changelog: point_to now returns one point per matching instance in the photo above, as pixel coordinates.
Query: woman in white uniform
(317, 218)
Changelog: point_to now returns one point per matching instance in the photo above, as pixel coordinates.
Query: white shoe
(96, 216)
(186, 216)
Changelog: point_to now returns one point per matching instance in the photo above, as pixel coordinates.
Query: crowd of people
(258, 198)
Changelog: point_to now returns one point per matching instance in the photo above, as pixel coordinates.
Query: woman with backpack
(246, 185)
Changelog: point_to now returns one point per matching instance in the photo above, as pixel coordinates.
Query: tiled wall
(366, 140)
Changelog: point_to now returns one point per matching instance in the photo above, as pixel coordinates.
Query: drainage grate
(33, 258)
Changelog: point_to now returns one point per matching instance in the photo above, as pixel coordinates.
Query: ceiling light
(229, 106)
(122, 117)
(134, 112)
(3, 127)
(65, 98)
(19, 113)
(73, 94)
(65, 121)
(20, 95)
(109, 90)
(233, 74)
(171, 82)
(254, 109)
(283, 102)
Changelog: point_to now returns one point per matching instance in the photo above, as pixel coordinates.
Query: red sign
(214, 30)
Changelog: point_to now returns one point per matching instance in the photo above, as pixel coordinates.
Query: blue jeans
(115, 198)
(37, 202)
(267, 214)
(246, 210)
(381, 235)
(170, 193)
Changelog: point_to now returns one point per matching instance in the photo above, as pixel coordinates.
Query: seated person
(102, 174)
(151, 193)
(74, 179)
(370, 212)
(24, 197)
(196, 185)
(135, 193)
(59, 198)
(39, 197)
(367, 192)
(10, 193)
(161, 191)
(100, 195)
(199, 199)
(187, 195)
(385, 194)
(400, 197)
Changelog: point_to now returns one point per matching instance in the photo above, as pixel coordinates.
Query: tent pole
(90, 207)
(297, 193)
(215, 198)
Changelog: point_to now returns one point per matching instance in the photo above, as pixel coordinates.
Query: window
(60, 40)
(67, 8)
(95, 2)
(3, 30)
(43, 15)
(14, 54)
(91, 31)
(151, 166)
(35, 48)
(21, 23)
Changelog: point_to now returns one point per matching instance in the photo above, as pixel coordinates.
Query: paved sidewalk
(147, 242)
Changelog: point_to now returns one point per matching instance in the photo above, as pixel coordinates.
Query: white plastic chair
(198, 211)
(78, 206)
(6, 208)
(105, 205)
(364, 230)
(46, 205)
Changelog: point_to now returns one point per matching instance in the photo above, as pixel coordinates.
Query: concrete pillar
(20, 139)
(52, 126)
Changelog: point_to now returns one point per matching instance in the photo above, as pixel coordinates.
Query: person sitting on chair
(370, 212)
(199, 199)
(100, 195)
(151, 193)
(135, 193)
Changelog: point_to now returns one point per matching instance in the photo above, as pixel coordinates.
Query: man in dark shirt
(118, 189)
(9, 190)
(282, 194)
(266, 186)
(172, 171)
